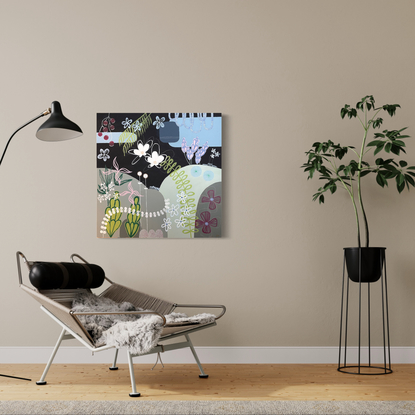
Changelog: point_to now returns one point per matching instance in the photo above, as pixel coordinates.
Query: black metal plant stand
(369, 369)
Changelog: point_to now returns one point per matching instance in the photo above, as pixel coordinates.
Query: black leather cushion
(55, 275)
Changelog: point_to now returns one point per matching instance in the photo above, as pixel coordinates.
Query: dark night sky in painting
(151, 134)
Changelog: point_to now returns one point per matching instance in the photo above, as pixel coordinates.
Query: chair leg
(202, 375)
(52, 356)
(134, 393)
(114, 365)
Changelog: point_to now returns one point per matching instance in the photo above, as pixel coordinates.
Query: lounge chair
(57, 304)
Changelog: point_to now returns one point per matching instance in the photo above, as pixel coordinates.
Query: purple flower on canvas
(184, 145)
(190, 151)
(206, 223)
(201, 152)
(195, 145)
(211, 199)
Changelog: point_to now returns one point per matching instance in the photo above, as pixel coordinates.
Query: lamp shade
(57, 127)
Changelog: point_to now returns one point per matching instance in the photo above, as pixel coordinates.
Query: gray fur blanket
(138, 333)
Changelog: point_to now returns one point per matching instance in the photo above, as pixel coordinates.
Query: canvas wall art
(159, 175)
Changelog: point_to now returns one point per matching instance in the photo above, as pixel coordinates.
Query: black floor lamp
(56, 128)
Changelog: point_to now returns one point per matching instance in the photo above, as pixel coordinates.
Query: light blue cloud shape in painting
(105, 138)
(212, 136)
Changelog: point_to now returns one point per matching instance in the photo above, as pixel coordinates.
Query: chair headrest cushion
(65, 275)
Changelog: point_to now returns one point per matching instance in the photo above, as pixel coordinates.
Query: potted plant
(364, 263)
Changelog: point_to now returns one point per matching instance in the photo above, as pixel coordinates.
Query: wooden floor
(225, 382)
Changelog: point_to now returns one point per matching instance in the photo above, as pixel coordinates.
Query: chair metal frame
(72, 327)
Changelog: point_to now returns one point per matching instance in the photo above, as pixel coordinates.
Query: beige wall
(279, 71)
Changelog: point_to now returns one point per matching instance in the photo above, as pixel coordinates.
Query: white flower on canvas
(159, 122)
(155, 159)
(136, 126)
(181, 197)
(174, 210)
(104, 154)
(139, 152)
(214, 153)
(141, 149)
(186, 210)
(126, 123)
(180, 222)
(167, 224)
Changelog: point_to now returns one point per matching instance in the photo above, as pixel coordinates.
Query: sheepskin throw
(138, 333)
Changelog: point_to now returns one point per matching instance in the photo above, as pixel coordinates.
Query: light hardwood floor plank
(225, 382)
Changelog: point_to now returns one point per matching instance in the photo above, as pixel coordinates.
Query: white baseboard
(230, 355)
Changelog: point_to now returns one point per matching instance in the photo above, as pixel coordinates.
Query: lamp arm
(46, 112)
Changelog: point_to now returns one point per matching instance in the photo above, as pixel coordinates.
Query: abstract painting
(159, 175)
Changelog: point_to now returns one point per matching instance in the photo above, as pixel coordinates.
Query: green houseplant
(325, 160)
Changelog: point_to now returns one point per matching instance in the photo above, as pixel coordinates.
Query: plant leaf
(375, 143)
(378, 149)
(380, 180)
(395, 149)
(409, 180)
(401, 186)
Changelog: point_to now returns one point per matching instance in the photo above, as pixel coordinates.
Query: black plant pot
(364, 264)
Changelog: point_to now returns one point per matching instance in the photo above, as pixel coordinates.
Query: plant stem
(357, 221)
(354, 151)
(359, 187)
(351, 194)
(363, 211)
(361, 122)
(366, 127)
